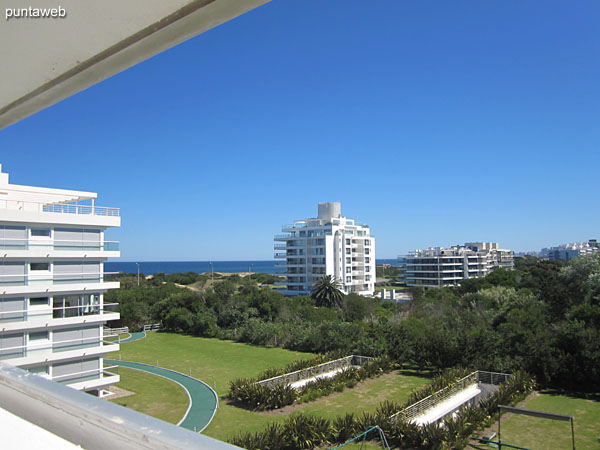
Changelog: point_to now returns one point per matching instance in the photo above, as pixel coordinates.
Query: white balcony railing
(58, 244)
(60, 208)
(57, 312)
(62, 278)
(31, 349)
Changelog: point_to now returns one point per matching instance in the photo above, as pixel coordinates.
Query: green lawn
(217, 362)
(155, 396)
(541, 434)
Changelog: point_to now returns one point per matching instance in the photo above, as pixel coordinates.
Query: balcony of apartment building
(34, 247)
(28, 277)
(17, 314)
(82, 213)
(43, 346)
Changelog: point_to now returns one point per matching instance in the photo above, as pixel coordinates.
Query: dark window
(38, 301)
(39, 266)
(38, 335)
(45, 232)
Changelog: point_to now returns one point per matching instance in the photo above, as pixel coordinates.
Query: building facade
(327, 245)
(52, 310)
(439, 266)
(567, 252)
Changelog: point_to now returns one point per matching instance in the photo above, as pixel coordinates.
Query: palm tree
(327, 292)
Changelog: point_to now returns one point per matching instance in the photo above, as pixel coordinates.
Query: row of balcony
(60, 312)
(63, 278)
(26, 244)
(33, 349)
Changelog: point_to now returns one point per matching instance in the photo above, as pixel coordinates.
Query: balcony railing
(57, 244)
(58, 312)
(21, 351)
(63, 278)
(85, 375)
(60, 208)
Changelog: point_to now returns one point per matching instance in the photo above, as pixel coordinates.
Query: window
(38, 335)
(348, 269)
(367, 277)
(41, 232)
(348, 241)
(367, 260)
(348, 260)
(348, 251)
(367, 251)
(39, 266)
(367, 242)
(43, 370)
(367, 268)
(39, 301)
(348, 279)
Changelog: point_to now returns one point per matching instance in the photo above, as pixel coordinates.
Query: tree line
(543, 317)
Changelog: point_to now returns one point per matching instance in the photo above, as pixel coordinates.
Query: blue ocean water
(152, 267)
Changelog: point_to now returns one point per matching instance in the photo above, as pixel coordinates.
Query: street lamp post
(212, 272)
(138, 273)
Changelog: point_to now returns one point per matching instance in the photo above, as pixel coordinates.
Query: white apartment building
(439, 266)
(327, 245)
(52, 310)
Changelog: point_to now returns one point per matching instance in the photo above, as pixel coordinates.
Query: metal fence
(315, 371)
(419, 408)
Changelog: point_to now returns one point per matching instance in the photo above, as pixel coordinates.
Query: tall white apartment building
(327, 245)
(439, 266)
(52, 310)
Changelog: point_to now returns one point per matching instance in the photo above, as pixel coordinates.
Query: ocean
(152, 267)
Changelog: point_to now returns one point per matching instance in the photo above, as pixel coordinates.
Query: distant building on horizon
(329, 244)
(439, 266)
(570, 251)
(52, 285)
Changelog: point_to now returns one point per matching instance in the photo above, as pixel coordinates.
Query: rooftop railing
(60, 208)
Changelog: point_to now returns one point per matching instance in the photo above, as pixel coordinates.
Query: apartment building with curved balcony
(440, 266)
(329, 244)
(52, 283)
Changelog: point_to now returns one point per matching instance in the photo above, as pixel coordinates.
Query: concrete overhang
(45, 60)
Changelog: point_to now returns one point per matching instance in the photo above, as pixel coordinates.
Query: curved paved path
(203, 400)
(136, 336)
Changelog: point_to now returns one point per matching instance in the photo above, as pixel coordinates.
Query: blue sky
(434, 122)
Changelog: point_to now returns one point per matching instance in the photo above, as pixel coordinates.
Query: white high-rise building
(440, 266)
(52, 310)
(327, 245)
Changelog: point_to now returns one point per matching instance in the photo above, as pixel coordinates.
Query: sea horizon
(256, 266)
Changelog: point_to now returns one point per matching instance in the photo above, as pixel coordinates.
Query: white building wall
(52, 284)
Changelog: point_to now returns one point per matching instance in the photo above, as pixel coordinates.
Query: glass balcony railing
(66, 278)
(26, 244)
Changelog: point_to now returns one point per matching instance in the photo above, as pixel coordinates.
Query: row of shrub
(305, 431)
(247, 393)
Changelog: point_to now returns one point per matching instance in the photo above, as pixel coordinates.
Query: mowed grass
(541, 434)
(155, 396)
(218, 362)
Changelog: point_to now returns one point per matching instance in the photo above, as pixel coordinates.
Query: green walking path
(203, 400)
(134, 337)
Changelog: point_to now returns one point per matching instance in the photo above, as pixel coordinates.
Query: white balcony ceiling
(47, 60)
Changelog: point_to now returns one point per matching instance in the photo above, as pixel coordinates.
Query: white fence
(315, 371)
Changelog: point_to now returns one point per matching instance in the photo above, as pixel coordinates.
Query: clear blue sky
(434, 122)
